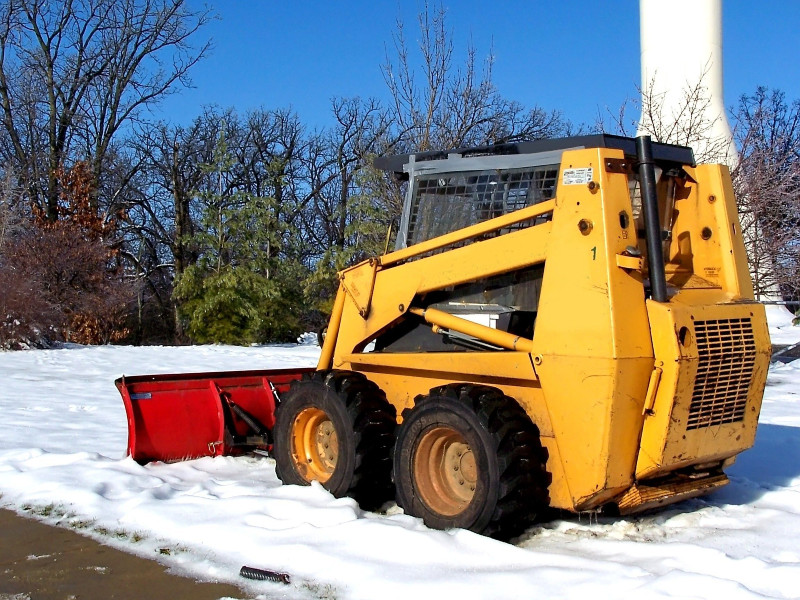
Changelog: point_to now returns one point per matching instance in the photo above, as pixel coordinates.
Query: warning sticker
(577, 176)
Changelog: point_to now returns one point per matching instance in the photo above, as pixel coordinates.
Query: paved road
(39, 562)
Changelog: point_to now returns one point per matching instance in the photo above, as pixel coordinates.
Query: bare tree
(74, 72)
(436, 105)
(160, 212)
(360, 131)
(767, 181)
(688, 123)
(345, 221)
(11, 218)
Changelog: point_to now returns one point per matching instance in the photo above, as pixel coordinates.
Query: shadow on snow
(772, 463)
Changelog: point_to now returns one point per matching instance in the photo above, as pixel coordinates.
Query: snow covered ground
(781, 330)
(62, 445)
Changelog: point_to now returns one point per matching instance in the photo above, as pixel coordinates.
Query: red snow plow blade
(177, 417)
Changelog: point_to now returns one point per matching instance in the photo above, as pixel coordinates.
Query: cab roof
(666, 155)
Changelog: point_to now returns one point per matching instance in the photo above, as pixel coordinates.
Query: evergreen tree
(232, 293)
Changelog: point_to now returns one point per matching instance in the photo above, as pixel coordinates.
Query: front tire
(468, 456)
(337, 428)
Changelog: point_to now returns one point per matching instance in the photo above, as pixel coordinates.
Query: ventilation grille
(727, 353)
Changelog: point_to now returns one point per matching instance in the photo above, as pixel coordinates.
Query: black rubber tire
(511, 482)
(364, 422)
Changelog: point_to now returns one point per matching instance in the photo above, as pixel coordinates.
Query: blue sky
(577, 56)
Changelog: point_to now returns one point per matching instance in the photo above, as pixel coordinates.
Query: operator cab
(450, 190)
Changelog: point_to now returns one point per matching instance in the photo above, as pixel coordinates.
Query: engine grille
(727, 353)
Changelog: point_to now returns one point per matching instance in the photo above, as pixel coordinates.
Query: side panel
(715, 360)
(595, 408)
(707, 236)
(405, 375)
(592, 347)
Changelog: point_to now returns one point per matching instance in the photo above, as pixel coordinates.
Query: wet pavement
(40, 562)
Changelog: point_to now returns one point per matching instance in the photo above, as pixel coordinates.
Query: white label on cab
(577, 176)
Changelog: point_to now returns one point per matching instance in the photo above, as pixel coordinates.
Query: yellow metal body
(634, 399)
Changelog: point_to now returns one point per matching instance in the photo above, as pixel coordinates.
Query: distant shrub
(58, 285)
(60, 280)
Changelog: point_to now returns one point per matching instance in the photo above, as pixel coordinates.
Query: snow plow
(178, 417)
(563, 324)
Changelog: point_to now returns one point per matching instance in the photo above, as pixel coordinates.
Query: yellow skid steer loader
(563, 323)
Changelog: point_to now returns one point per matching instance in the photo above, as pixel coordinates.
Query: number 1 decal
(594, 253)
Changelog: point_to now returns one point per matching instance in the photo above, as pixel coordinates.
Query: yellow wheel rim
(315, 445)
(445, 472)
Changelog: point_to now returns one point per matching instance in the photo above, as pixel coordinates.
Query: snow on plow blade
(177, 417)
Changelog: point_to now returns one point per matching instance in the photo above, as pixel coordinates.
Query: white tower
(681, 42)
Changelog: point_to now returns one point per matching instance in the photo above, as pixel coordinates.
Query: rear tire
(468, 456)
(336, 427)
